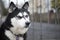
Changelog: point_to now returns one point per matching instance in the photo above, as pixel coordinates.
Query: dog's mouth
(26, 26)
(20, 35)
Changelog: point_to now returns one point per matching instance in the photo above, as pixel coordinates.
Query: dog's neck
(11, 36)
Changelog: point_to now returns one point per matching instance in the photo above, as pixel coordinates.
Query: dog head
(19, 18)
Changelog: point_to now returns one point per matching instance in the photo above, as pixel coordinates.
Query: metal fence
(45, 20)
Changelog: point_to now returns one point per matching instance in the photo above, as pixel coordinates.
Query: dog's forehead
(22, 13)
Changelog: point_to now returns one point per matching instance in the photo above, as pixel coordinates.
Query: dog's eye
(19, 17)
(26, 16)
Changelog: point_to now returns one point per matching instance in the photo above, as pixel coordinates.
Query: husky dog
(16, 23)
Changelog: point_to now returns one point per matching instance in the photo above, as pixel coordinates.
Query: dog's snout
(27, 23)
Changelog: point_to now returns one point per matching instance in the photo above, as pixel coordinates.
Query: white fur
(27, 19)
(25, 13)
(20, 14)
(20, 38)
(19, 24)
(11, 36)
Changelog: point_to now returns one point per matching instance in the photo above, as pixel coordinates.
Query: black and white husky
(16, 23)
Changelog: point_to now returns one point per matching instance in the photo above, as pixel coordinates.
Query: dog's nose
(27, 23)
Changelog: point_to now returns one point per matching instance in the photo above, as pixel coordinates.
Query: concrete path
(43, 31)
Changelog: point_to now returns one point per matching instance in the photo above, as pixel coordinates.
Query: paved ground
(43, 31)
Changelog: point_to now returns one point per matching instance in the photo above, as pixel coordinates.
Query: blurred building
(36, 5)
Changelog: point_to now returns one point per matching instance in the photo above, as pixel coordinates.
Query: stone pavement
(43, 31)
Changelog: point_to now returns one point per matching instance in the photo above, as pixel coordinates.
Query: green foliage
(4, 10)
(55, 4)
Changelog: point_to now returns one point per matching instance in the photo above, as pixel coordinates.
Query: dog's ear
(25, 6)
(12, 7)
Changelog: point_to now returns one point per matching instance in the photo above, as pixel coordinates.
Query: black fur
(7, 24)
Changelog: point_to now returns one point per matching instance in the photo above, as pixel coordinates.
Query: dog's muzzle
(27, 24)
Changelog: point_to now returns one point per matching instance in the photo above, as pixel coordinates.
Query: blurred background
(45, 18)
